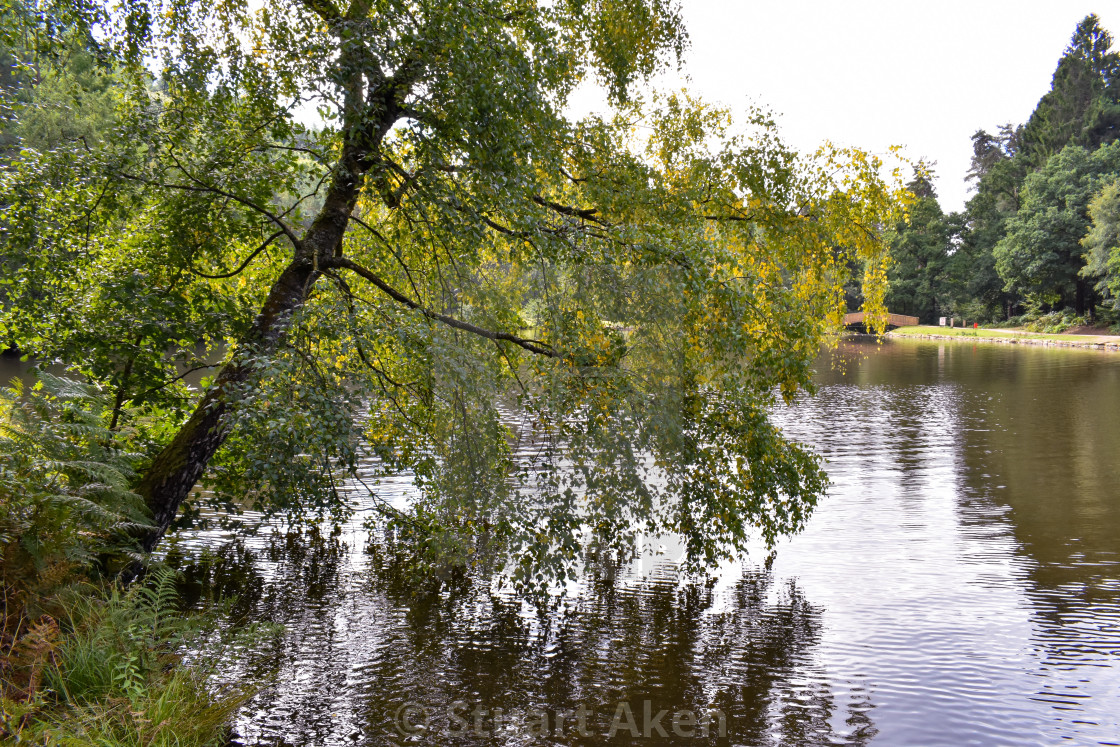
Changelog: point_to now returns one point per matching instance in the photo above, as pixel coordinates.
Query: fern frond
(65, 481)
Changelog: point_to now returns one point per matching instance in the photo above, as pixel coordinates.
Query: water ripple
(959, 585)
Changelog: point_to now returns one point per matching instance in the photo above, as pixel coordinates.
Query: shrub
(1055, 322)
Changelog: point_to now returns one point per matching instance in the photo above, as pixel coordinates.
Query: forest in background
(1038, 243)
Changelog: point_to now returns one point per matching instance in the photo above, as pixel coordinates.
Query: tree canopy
(920, 255)
(381, 219)
(1041, 255)
(1083, 105)
(1018, 245)
(1102, 242)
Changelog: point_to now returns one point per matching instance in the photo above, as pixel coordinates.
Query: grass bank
(105, 666)
(1008, 337)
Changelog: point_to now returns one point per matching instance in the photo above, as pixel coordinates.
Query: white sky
(871, 73)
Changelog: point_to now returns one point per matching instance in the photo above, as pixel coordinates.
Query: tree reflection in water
(359, 646)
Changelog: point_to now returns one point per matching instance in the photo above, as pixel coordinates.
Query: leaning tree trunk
(369, 114)
(178, 467)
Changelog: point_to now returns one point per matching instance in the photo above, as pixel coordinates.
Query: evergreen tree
(977, 289)
(989, 150)
(1082, 109)
(1083, 105)
(919, 254)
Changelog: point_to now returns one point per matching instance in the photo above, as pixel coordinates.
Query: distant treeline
(1040, 237)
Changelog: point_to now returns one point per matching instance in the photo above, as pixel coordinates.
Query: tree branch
(244, 264)
(584, 213)
(396, 255)
(284, 228)
(721, 218)
(533, 346)
(169, 382)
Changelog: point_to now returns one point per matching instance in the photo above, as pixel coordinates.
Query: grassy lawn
(969, 332)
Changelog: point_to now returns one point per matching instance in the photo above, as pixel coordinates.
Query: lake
(959, 584)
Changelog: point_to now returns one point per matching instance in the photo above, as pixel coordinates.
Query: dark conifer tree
(1083, 104)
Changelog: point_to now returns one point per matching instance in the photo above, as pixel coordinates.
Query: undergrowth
(110, 671)
(1055, 322)
(84, 661)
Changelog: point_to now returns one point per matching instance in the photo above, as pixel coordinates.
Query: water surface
(959, 585)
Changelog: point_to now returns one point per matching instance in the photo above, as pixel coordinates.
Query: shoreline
(1022, 338)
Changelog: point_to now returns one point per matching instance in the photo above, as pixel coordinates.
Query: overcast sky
(871, 73)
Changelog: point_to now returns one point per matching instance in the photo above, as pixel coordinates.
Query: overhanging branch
(533, 346)
(205, 188)
(244, 264)
(590, 214)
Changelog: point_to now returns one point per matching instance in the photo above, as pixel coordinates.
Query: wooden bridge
(855, 321)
